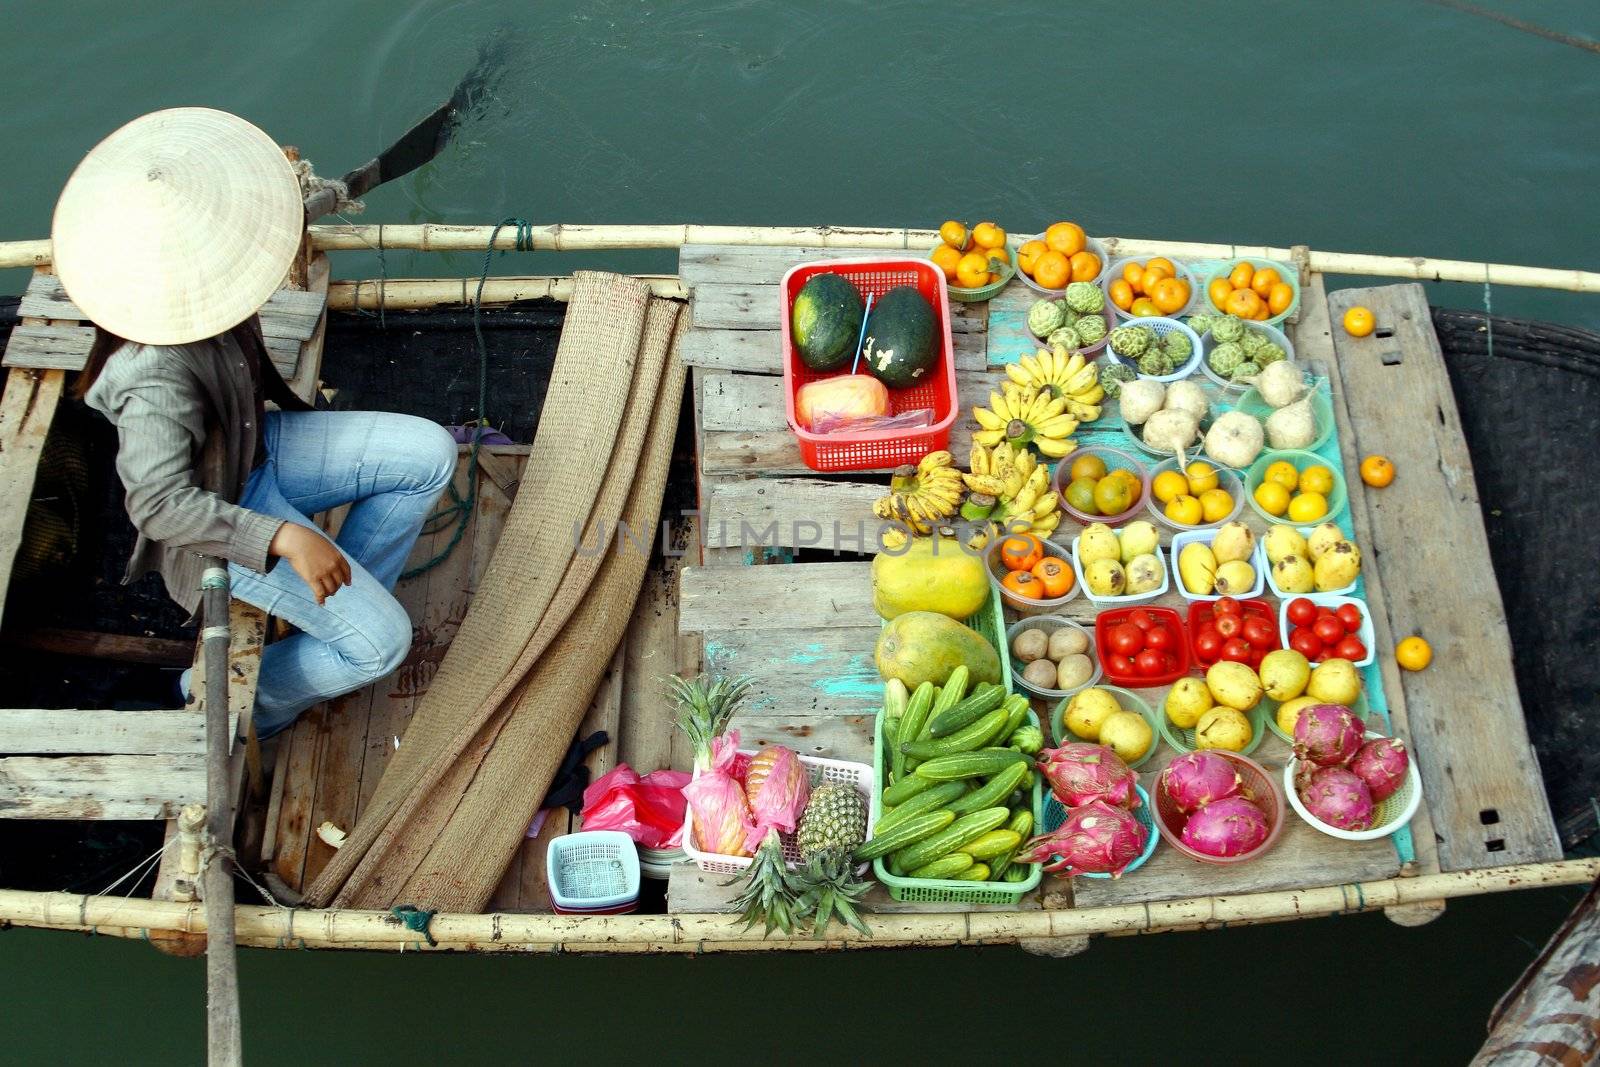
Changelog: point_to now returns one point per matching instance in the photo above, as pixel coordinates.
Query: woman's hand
(314, 558)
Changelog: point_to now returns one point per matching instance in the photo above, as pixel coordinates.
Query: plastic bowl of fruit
(1323, 626)
(1280, 504)
(1248, 275)
(1090, 245)
(1257, 628)
(1161, 327)
(1321, 413)
(1075, 640)
(1080, 477)
(1256, 560)
(1134, 435)
(1055, 813)
(1255, 785)
(1034, 575)
(1309, 574)
(1143, 647)
(1388, 814)
(971, 294)
(1063, 730)
(1290, 710)
(1209, 343)
(1196, 488)
(1187, 739)
(1087, 351)
(1134, 274)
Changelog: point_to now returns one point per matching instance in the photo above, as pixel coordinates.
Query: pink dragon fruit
(1080, 772)
(1337, 797)
(1382, 764)
(1327, 734)
(1098, 838)
(1196, 779)
(1231, 826)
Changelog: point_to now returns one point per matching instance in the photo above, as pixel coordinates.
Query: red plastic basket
(1168, 618)
(1203, 611)
(872, 449)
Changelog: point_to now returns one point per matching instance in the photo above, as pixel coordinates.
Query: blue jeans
(391, 468)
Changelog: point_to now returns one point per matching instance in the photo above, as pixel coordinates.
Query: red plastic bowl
(1170, 821)
(1203, 611)
(1168, 618)
(1115, 459)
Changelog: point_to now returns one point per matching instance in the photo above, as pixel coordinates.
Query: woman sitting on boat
(170, 236)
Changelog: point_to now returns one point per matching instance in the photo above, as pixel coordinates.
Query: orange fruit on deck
(1085, 266)
(955, 235)
(1144, 307)
(1052, 270)
(1065, 237)
(988, 235)
(946, 258)
(1377, 471)
(973, 270)
(1358, 321)
(1170, 294)
(1028, 254)
(1279, 298)
(1413, 654)
(1244, 303)
(1239, 277)
(1218, 290)
(1122, 294)
(1263, 280)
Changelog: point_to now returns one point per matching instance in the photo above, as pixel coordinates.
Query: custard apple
(1224, 357)
(1227, 328)
(1091, 329)
(1085, 297)
(1044, 318)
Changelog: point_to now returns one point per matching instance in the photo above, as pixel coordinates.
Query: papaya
(925, 646)
(932, 574)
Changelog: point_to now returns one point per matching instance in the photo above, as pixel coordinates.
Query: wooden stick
(400, 294)
(436, 237)
(223, 1041)
(287, 927)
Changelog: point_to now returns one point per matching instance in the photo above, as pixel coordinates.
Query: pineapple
(835, 819)
(828, 887)
(771, 893)
(704, 710)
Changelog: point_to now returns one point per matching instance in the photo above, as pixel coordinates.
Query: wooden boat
(733, 606)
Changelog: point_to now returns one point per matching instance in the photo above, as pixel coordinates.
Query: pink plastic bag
(716, 798)
(649, 809)
(781, 798)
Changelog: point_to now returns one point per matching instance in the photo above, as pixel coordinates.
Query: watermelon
(825, 322)
(900, 349)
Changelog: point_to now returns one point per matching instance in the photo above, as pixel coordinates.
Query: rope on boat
(312, 183)
(414, 919)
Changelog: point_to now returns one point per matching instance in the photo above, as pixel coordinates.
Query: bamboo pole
(567, 237)
(287, 927)
(224, 1045)
(401, 294)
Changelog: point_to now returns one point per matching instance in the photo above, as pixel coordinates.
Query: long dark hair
(106, 344)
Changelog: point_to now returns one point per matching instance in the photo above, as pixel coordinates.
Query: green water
(1397, 127)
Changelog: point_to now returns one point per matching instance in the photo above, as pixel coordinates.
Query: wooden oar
(415, 147)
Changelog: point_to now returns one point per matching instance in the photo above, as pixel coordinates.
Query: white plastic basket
(1365, 634)
(1271, 333)
(1257, 560)
(1125, 601)
(1162, 327)
(1114, 271)
(592, 869)
(818, 770)
(1393, 812)
(1305, 531)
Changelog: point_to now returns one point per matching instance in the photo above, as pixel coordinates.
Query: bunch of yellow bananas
(1011, 489)
(1022, 415)
(1059, 375)
(923, 495)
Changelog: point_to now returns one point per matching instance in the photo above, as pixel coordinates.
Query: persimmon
(1085, 266)
(1263, 280)
(988, 235)
(1377, 471)
(1122, 294)
(1019, 552)
(1279, 299)
(1065, 237)
(1055, 575)
(1052, 270)
(1218, 290)
(1358, 321)
(946, 259)
(1239, 277)
(955, 235)
(1243, 303)
(1024, 584)
(973, 270)
(1170, 294)
(1028, 254)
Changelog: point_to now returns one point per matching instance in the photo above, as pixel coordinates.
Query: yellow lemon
(1215, 504)
(1273, 498)
(1307, 507)
(1316, 480)
(1202, 477)
(1283, 473)
(1169, 485)
(1185, 509)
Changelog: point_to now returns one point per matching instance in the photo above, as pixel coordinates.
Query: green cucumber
(911, 724)
(955, 687)
(922, 732)
(978, 872)
(1021, 824)
(995, 790)
(1016, 707)
(896, 697)
(905, 789)
(984, 700)
(1026, 738)
(966, 829)
(944, 867)
(992, 844)
(906, 833)
(969, 765)
(977, 735)
(931, 800)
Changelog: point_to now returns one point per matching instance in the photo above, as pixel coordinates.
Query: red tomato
(1141, 618)
(1350, 615)
(1351, 649)
(1324, 612)
(1329, 629)
(1236, 649)
(1227, 605)
(1258, 632)
(1150, 663)
(1256, 656)
(1159, 638)
(1116, 664)
(1302, 612)
(1308, 644)
(1208, 645)
(1229, 625)
(1125, 639)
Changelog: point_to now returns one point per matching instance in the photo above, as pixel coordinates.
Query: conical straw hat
(178, 226)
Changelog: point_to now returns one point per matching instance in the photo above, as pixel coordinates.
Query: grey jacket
(187, 424)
